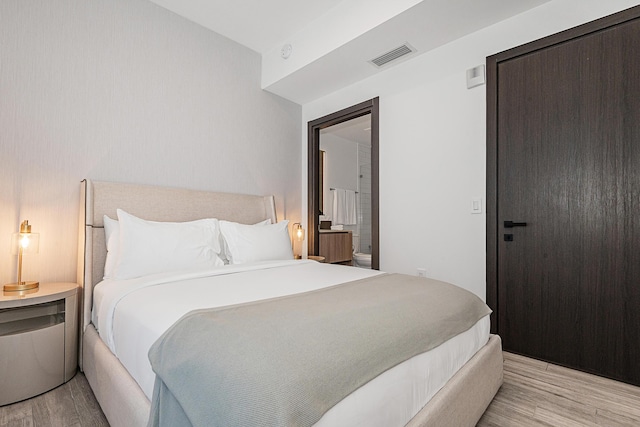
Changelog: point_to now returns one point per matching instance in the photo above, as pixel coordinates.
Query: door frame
(313, 175)
(492, 136)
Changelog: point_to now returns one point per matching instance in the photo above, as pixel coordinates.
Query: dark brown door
(568, 165)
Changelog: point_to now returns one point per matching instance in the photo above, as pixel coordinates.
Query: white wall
(432, 144)
(123, 90)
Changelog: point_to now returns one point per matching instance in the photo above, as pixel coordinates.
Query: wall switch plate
(422, 272)
(476, 205)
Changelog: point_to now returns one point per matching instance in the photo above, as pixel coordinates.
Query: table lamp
(298, 232)
(24, 242)
(298, 235)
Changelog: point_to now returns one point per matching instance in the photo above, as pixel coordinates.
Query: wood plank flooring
(71, 404)
(534, 393)
(537, 393)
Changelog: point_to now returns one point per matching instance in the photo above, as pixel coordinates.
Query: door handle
(511, 224)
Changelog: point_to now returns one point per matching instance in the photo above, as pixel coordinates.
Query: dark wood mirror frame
(314, 127)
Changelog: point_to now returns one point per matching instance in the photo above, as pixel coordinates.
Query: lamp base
(22, 286)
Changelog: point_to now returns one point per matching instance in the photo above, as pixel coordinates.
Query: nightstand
(38, 340)
(316, 258)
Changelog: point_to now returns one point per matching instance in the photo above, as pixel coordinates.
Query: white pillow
(224, 254)
(112, 240)
(149, 247)
(250, 243)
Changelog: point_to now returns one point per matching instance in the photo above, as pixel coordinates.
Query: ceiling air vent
(392, 55)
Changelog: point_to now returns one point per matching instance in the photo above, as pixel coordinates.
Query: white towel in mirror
(344, 206)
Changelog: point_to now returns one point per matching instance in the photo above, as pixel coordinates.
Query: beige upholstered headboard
(151, 203)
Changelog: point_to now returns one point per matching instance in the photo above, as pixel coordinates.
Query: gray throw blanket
(286, 361)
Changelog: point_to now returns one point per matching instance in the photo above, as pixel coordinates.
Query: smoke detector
(285, 52)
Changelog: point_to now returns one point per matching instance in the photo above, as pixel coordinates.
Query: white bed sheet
(130, 316)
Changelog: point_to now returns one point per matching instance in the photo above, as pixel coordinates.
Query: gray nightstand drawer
(31, 363)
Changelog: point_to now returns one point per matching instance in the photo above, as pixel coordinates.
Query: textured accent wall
(124, 90)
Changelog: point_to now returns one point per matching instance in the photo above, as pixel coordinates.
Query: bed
(124, 384)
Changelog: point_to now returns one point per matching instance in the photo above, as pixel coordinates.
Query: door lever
(511, 224)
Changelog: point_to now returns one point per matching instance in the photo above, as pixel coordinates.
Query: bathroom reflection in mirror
(345, 193)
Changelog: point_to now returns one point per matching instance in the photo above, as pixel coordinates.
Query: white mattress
(130, 316)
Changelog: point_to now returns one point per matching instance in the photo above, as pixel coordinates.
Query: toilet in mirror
(360, 259)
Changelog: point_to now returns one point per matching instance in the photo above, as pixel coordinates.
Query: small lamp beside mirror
(298, 232)
(23, 242)
(298, 235)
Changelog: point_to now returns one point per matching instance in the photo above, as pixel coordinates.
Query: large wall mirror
(343, 155)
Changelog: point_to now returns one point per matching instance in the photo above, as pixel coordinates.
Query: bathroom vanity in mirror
(336, 246)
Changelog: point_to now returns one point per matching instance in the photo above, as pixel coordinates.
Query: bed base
(461, 402)
(465, 397)
(119, 395)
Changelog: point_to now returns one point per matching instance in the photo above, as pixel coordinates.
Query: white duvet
(130, 316)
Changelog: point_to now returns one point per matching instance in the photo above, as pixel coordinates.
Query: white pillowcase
(224, 254)
(250, 243)
(112, 240)
(149, 247)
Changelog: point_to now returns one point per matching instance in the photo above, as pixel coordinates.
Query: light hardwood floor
(537, 393)
(71, 404)
(534, 393)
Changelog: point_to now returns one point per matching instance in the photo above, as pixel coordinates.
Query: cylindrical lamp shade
(28, 242)
(298, 232)
(24, 242)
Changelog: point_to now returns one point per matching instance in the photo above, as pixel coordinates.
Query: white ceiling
(257, 24)
(265, 25)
